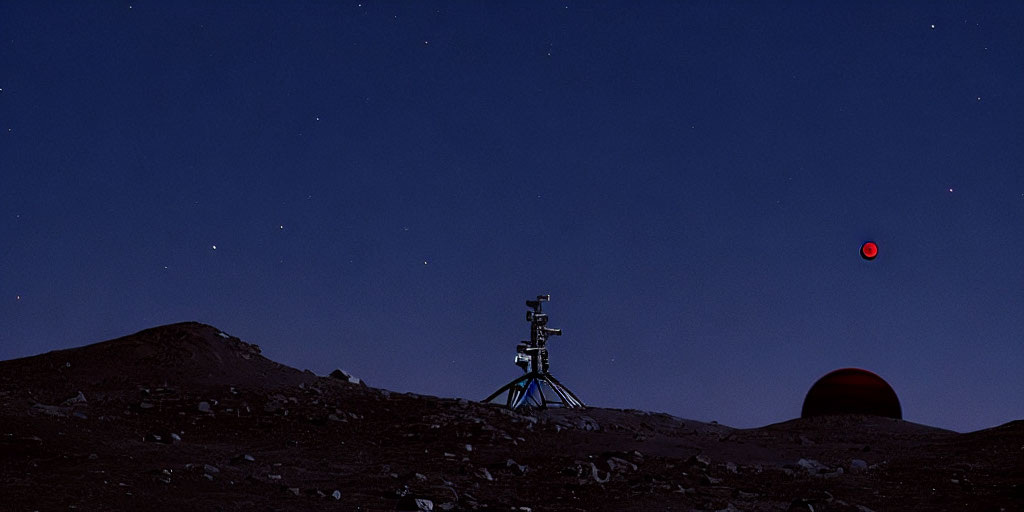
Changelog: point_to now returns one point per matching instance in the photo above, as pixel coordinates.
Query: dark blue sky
(386, 183)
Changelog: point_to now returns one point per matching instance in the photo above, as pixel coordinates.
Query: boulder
(347, 377)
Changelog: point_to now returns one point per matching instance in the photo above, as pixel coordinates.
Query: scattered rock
(516, 468)
(209, 469)
(347, 377)
(818, 469)
(204, 407)
(698, 461)
(486, 475)
(52, 410)
(412, 503)
(586, 423)
(78, 399)
(858, 466)
(618, 464)
(294, 490)
(710, 480)
(812, 466)
(336, 494)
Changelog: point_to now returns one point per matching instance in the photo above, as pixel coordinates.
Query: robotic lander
(537, 388)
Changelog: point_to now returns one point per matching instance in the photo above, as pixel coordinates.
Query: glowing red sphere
(868, 251)
(851, 391)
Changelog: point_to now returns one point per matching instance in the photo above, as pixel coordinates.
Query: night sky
(379, 187)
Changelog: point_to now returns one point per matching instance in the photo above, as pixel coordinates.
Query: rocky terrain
(186, 417)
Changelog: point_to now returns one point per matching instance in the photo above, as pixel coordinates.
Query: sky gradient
(379, 187)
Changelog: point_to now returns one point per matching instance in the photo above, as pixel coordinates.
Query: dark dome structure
(851, 391)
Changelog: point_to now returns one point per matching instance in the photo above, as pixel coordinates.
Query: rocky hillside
(186, 416)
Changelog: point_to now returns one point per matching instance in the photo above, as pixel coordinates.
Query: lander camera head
(535, 304)
(537, 318)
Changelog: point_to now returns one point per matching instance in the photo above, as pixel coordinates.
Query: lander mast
(537, 387)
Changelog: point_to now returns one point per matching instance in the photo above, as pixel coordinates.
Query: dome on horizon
(851, 391)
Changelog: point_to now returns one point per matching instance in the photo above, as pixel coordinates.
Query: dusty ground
(182, 417)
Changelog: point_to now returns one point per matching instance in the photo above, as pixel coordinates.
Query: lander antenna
(538, 388)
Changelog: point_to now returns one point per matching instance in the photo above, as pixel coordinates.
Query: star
(933, 26)
(950, 189)
(215, 247)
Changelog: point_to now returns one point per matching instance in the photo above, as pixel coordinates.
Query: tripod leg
(523, 393)
(506, 387)
(576, 402)
(565, 399)
(543, 399)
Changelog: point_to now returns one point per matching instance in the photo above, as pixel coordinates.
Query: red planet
(851, 391)
(868, 251)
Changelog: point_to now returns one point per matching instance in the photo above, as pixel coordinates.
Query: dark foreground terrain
(187, 418)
